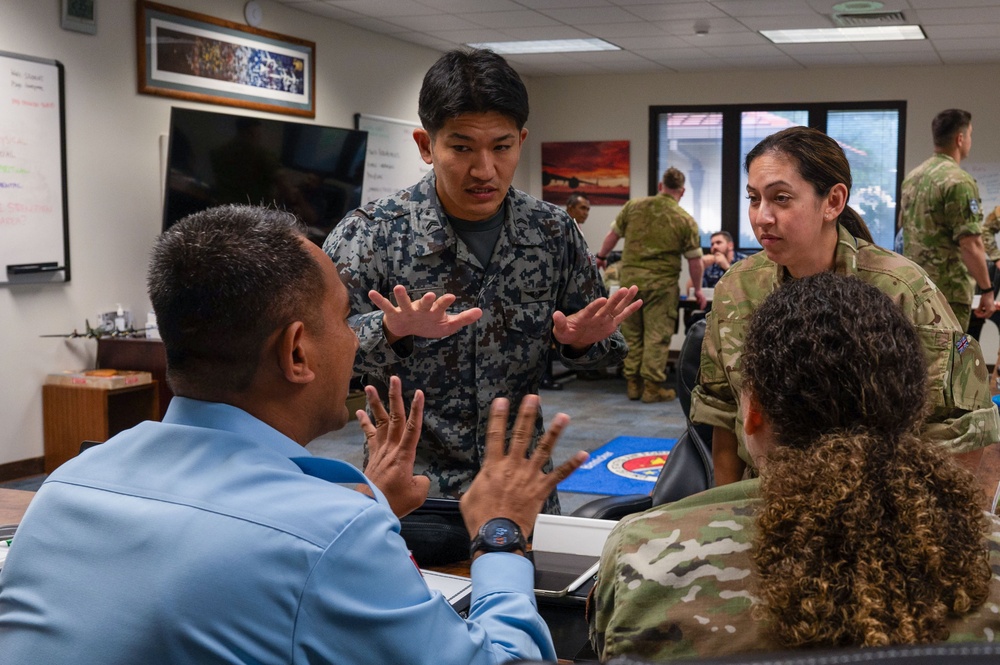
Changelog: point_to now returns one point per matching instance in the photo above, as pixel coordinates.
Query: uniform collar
(432, 234)
(845, 256)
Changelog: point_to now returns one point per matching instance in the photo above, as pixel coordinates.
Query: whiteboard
(393, 162)
(34, 222)
(987, 175)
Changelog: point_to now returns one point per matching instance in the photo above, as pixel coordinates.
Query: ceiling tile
(516, 19)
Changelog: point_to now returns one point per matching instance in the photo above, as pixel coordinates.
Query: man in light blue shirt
(209, 538)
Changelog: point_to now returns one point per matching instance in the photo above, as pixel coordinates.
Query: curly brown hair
(868, 535)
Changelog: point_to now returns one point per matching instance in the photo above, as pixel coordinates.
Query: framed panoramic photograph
(204, 59)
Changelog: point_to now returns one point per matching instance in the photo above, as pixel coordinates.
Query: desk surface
(13, 503)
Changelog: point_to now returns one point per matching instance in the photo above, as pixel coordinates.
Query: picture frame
(79, 16)
(597, 169)
(191, 56)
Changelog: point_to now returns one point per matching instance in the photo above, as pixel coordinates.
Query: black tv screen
(311, 170)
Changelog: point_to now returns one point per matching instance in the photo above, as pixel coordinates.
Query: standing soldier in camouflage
(798, 183)
(833, 545)
(941, 219)
(991, 226)
(459, 284)
(657, 233)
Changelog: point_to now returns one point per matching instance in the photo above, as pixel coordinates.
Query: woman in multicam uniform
(858, 532)
(798, 183)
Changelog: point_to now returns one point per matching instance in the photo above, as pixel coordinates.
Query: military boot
(634, 388)
(654, 393)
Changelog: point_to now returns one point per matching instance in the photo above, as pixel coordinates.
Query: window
(709, 145)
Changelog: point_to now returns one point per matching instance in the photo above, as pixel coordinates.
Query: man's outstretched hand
(392, 447)
(597, 321)
(510, 484)
(427, 317)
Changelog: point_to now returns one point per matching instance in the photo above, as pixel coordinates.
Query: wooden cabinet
(73, 414)
(137, 353)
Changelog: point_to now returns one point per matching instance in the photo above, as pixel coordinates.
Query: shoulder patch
(962, 344)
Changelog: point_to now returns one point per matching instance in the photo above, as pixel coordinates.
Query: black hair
(471, 81)
(947, 124)
(221, 281)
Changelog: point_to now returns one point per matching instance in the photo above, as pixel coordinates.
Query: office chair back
(688, 469)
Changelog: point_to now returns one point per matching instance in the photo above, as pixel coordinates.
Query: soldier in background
(830, 546)
(657, 232)
(459, 284)
(991, 226)
(941, 219)
(578, 207)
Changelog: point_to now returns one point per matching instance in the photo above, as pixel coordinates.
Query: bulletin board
(393, 162)
(34, 220)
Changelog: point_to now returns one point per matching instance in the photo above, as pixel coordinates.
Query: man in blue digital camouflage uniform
(460, 283)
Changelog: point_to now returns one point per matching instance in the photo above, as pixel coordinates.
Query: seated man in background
(723, 254)
(856, 533)
(214, 537)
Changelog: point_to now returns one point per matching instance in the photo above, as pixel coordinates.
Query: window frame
(732, 159)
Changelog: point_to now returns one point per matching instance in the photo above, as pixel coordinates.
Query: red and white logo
(639, 466)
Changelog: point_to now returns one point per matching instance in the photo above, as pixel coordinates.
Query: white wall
(114, 174)
(113, 153)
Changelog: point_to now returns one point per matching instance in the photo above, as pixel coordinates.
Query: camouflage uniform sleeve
(961, 209)
(673, 581)
(692, 249)
(962, 417)
(990, 229)
(353, 247)
(584, 285)
(712, 400)
(621, 221)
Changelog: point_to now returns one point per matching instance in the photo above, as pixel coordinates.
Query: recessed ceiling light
(547, 46)
(880, 33)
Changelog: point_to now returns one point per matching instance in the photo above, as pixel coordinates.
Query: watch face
(500, 535)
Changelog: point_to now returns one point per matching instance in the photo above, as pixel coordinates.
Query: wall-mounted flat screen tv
(311, 170)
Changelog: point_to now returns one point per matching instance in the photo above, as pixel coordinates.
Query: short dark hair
(220, 282)
(471, 81)
(947, 124)
(725, 234)
(829, 353)
(575, 197)
(673, 178)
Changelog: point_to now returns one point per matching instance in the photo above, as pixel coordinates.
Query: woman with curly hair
(858, 532)
(798, 184)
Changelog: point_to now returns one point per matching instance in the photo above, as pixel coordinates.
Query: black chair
(688, 469)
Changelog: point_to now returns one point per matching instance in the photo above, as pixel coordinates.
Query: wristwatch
(498, 535)
(980, 290)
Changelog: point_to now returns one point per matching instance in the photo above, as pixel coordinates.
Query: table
(13, 503)
(565, 618)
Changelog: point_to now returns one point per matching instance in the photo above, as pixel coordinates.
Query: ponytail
(855, 224)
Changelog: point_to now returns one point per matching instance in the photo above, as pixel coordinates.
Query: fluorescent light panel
(878, 33)
(547, 46)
